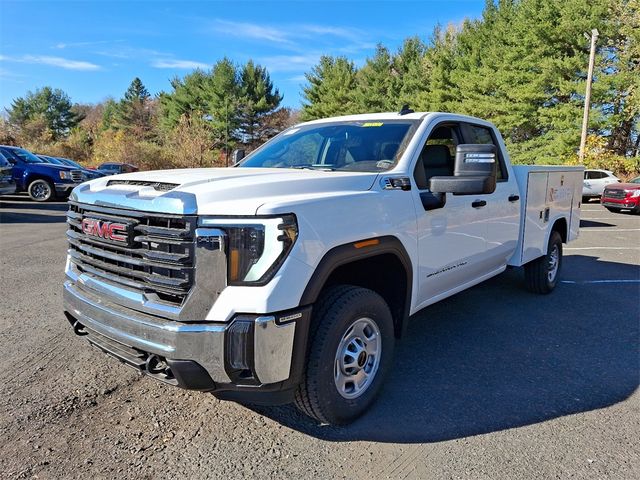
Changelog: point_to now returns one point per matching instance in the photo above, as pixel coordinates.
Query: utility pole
(226, 133)
(587, 97)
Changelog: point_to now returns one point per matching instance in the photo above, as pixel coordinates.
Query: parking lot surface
(494, 382)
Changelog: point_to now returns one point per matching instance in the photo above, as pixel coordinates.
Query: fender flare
(350, 252)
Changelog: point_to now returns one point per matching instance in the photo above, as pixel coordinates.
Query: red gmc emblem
(116, 232)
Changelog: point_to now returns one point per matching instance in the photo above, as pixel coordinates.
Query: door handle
(514, 198)
(478, 203)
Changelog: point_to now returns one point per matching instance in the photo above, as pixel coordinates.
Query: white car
(595, 181)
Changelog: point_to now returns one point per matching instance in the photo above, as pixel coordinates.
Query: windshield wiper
(311, 167)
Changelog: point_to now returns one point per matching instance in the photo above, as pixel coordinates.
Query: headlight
(65, 175)
(256, 247)
(634, 193)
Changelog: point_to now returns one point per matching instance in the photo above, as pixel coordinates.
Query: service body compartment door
(536, 217)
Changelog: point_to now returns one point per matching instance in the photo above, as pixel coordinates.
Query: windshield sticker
(372, 124)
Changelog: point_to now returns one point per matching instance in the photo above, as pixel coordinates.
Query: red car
(622, 196)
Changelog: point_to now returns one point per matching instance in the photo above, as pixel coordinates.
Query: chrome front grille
(76, 176)
(156, 259)
(614, 193)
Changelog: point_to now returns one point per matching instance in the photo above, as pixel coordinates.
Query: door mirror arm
(433, 201)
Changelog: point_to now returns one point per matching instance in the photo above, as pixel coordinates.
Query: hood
(217, 191)
(622, 186)
(53, 166)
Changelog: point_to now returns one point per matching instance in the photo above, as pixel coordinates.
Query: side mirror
(475, 172)
(237, 155)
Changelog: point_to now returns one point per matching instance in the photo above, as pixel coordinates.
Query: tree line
(522, 65)
(197, 123)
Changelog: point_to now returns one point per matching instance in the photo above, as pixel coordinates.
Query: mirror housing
(237, 155)
(475, 172)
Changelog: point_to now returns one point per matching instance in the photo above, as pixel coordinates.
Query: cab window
(437, 155)
(483, 135)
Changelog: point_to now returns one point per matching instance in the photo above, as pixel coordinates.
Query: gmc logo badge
(117, 232)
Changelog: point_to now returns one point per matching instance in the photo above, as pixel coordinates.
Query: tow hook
(156, 364)
(79, 329)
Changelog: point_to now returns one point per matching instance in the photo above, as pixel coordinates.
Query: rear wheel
(541, 274)
(350, 352)
(41, 190)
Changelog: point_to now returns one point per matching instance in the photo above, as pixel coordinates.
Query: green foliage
(330, 90)
(234, 101)
(374, 83)
(47, 106)
(258, 99)
(599, 156)
(523, 66)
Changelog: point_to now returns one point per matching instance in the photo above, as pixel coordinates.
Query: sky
(93, 49)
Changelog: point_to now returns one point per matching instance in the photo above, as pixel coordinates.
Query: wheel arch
(381, 264)
(36, 176)
(560, 225)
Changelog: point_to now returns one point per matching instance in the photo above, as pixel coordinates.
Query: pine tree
(374, 84)
(134, 111)
(257, 99)
(409, 75)
(49, 106)
(330, 89)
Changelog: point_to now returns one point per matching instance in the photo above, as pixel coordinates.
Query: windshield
(636, 180)
(345, 146)
(53, 160)
(107, 166)
(70, 163)
(26, 156)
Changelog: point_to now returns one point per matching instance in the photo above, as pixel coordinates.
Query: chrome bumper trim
(203, 343)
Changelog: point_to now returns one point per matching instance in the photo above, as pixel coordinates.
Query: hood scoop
(159, 186)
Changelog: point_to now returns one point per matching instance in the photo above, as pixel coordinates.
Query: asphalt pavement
(494, 382)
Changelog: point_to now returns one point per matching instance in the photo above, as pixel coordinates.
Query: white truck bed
(548, 193)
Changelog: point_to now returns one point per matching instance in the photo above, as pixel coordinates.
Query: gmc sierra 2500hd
(290, 276)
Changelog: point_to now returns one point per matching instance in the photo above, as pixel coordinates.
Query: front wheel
(350, 352)
(541, 274)
(41, 190)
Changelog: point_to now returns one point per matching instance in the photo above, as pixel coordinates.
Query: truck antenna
(405, 109)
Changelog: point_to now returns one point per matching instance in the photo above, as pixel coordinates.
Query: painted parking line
(611, 218)
(587, 229)
(586, 282)
(602, 248)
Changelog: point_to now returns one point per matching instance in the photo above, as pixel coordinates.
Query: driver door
(451, 236)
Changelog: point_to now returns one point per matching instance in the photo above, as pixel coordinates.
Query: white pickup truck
(290, 276)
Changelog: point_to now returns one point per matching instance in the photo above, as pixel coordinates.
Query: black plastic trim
(347, 253)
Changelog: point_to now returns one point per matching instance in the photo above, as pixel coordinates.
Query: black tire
(613, 209)
(339, 309)
(537, 273)
(41, 190)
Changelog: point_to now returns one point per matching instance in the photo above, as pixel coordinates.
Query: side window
(484, 135)
(600, 175)
(7, 155)
(437, 155)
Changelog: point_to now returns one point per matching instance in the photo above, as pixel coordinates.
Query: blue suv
(42, 181)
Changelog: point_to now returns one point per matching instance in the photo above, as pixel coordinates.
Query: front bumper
(248, 354)
(628, 202)
(65, 188)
